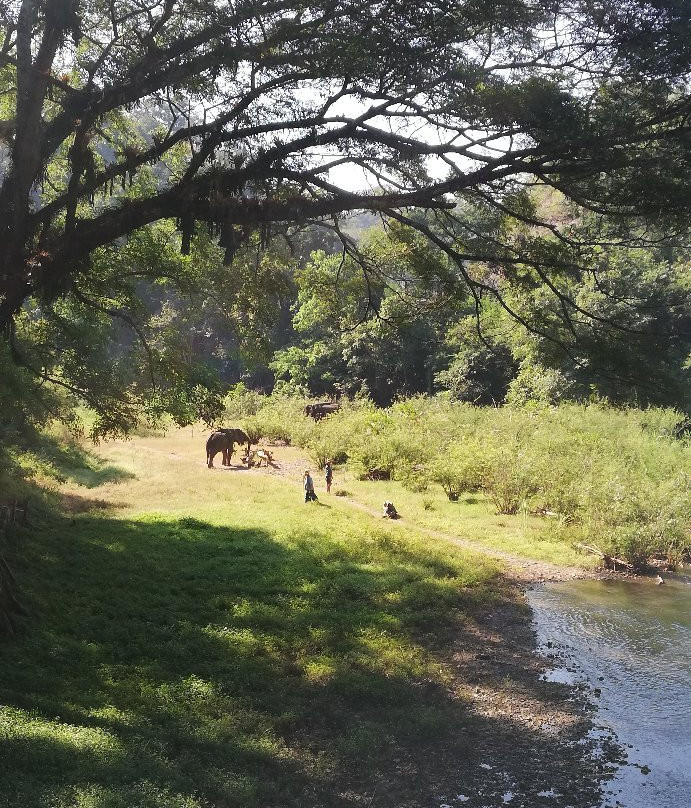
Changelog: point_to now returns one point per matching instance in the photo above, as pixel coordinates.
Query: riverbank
(203, 638)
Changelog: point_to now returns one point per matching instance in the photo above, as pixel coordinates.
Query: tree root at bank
(615, 562)
(610, 562)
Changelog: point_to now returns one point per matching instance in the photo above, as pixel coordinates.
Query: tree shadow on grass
(71, 503)
(75, 463)
(178, 663)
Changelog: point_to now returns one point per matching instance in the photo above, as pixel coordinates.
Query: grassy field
(204, 638)
(473, 517)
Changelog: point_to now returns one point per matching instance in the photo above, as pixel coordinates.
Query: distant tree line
(398, 329)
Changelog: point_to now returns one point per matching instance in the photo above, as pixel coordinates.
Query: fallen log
(265, 456)
(258, 457)
(611, 562)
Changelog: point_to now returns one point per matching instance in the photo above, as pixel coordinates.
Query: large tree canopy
(252, 116)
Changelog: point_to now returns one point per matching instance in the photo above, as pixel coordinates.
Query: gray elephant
(322, 409)
(224, 440)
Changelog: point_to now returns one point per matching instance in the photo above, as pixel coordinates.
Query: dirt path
(522, 569)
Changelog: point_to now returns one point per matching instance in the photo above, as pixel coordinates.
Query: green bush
(387, 444)
(462, 467)
(253, 428)
(415, 478)
(272, 418)
(241, 402)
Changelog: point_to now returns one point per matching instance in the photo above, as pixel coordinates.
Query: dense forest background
(339, 202)
(384, 317)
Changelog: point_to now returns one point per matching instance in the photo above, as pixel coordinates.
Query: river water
(629, 642)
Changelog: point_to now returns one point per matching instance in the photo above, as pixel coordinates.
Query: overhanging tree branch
(544, 93)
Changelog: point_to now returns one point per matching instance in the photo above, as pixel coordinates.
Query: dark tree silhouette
(244, 115)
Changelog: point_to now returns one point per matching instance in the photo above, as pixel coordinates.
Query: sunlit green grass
(209, 640)
(473, 517)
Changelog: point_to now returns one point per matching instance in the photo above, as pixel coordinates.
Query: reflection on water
(631, 641)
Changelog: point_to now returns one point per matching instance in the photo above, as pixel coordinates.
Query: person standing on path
(308, 485)
(328, 476)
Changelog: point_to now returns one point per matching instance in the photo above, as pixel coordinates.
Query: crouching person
(308, 485)
(390, 511)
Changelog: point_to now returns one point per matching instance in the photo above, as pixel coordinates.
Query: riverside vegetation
(619, 478)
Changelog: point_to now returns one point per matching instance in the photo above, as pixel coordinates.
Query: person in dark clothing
(308, 486)
(390, 511)
(328, 476)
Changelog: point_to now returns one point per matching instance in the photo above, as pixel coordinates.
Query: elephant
(224, 440)
(322, 409)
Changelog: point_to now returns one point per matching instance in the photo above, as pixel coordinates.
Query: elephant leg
(226, 457)
(210, 459)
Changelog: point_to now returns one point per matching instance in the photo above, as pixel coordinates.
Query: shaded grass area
(67, 461)
(215, 642)
(182, 663)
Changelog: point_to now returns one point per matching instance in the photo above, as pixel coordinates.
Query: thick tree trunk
(10, 607)
(33, 76)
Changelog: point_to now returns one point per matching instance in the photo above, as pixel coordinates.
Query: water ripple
(631, 642)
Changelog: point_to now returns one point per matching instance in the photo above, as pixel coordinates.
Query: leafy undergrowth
(207, 639)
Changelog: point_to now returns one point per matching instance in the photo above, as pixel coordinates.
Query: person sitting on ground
(308, 485)
(328, 475)
(390, 511)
